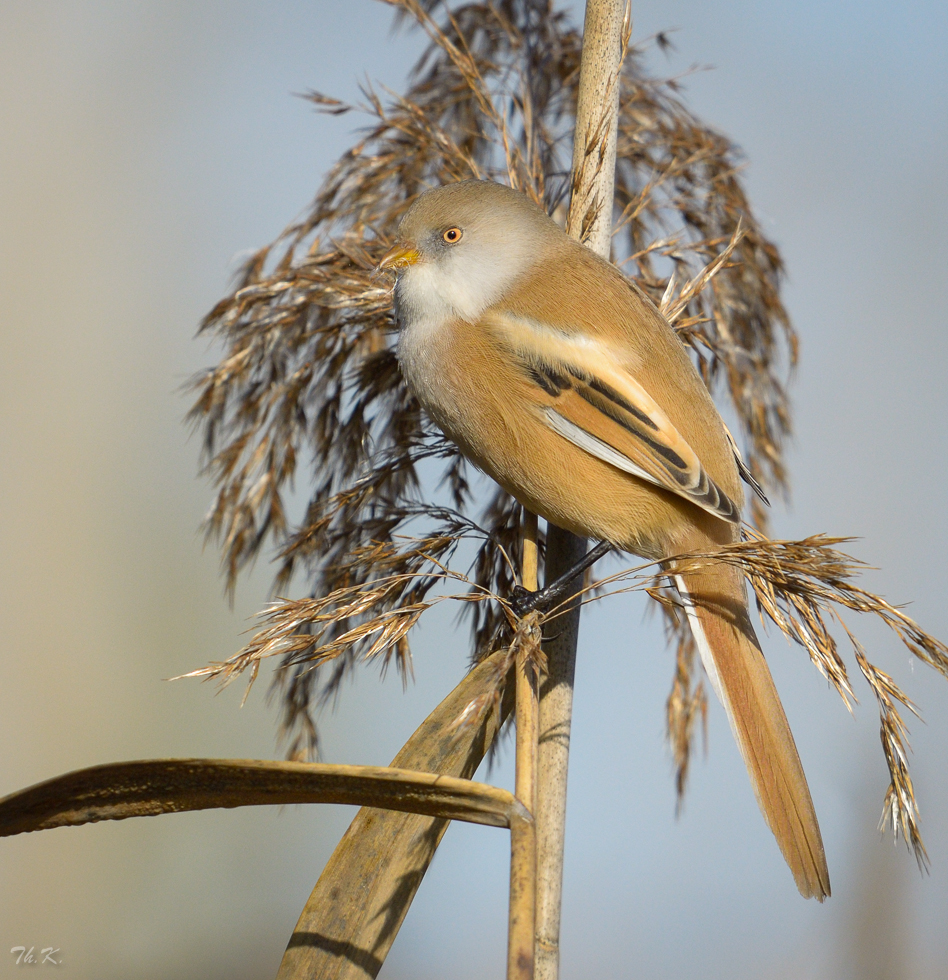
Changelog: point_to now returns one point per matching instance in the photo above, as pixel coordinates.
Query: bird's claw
(522, 601)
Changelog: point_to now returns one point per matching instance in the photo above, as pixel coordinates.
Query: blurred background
(144, 147)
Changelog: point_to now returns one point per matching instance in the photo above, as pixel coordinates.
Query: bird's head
(462, 246)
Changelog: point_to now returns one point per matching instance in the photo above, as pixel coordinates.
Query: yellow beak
(400, 255)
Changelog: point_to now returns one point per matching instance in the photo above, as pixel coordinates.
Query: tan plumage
(558, 377)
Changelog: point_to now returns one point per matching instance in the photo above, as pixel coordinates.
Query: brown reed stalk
(606, 32)
(528, 666)
(528, 671)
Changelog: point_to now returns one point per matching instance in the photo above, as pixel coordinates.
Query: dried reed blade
(150, 787)
(355, 910)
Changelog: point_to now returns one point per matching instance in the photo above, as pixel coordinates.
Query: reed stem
(521, 933)
(590, 219)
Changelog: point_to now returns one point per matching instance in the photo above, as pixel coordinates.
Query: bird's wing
(743, 468)
(586, 396)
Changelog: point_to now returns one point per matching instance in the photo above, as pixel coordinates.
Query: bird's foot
(523, 601)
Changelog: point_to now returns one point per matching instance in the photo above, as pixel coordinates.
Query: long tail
(717, 611)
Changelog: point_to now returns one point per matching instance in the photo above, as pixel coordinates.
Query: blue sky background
(144, 147)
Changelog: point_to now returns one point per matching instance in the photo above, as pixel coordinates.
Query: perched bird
(559, 378)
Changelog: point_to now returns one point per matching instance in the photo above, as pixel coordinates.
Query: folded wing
(587, 397)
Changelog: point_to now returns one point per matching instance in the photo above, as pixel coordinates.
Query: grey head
(461, 246)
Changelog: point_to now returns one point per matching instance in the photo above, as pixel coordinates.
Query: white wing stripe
(596, 447)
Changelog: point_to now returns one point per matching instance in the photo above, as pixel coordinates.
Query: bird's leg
(523, 600)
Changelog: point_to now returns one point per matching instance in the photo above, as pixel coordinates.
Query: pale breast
(429, 363)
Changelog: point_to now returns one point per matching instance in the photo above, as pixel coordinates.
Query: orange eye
(452, 235)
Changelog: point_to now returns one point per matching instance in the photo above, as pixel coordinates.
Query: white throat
(444, 288)
(460, 284)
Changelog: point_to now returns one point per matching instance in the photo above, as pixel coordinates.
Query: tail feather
(717, 611)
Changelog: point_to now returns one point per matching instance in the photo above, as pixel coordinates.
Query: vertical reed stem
(521, 932)
(590, 218)
(556, 707)
(527, 684)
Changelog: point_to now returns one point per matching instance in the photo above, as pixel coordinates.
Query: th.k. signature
(29, 956)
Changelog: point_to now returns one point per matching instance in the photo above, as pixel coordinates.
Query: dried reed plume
(309, 379)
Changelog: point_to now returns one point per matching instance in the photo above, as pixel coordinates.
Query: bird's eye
(452, 235)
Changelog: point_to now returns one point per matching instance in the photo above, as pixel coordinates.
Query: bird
(557, 376)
